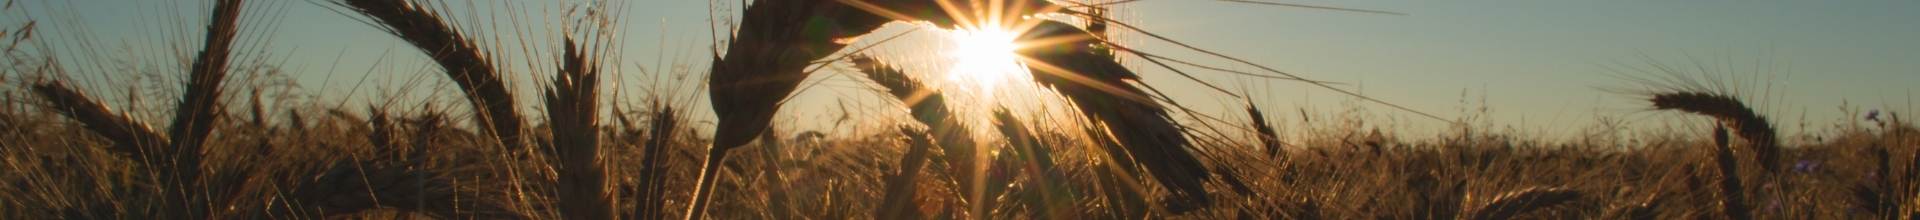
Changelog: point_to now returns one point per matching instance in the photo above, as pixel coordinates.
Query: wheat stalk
(462, 60)
(1097, 85)
(1732, 193)
(771, 177)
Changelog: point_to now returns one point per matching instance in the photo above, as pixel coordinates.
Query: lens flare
(983, 58)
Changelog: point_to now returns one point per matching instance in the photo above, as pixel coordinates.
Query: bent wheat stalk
(1732, 114)
(459, 57)
(1097, 85)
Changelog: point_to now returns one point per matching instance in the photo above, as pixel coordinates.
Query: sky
(1534, 65)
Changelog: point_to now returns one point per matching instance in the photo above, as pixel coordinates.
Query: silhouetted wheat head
(1269, 140)
(573, 109)
(130, 137)
(929, 107)
(1731, 113)
(1098, 85)
(462, 60)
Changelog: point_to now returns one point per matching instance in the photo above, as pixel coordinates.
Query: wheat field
(223, 144)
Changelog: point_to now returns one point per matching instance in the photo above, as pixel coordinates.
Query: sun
(984, 58)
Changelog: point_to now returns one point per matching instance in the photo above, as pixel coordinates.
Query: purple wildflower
(1805, 166)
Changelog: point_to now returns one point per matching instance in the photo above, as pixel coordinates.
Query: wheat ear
(573, 109)
(1097, 85)
(929, 107)
(462, 60)
(1731, 113)
(129, 136)
(664, 125)
(1269, 139)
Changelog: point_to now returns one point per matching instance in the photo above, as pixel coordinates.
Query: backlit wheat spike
(929, 107)
(129, 136)
(573, 109)
(1733, 114)
(1097, 85)
(462, 59)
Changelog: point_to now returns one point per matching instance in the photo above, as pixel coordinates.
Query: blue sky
(1537, 64)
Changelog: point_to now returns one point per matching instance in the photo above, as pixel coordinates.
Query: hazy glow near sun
(983, 58)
